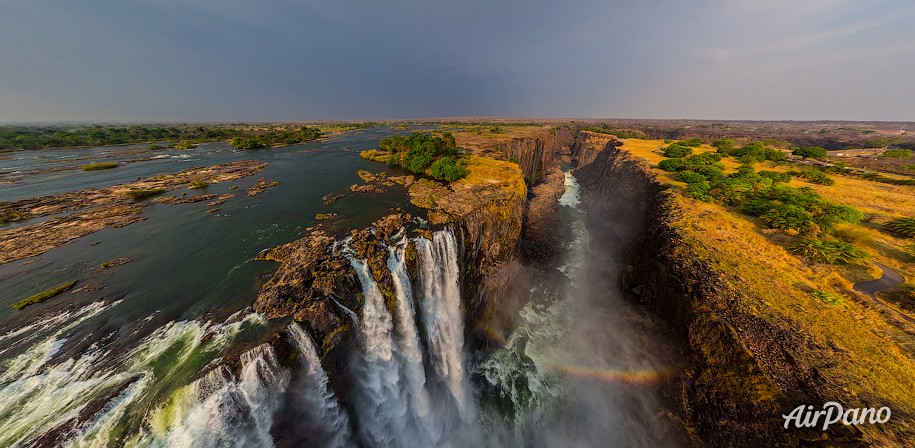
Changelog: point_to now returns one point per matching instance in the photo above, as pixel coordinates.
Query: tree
(810, 152)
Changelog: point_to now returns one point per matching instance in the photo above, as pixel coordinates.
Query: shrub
(829, 252)
(904, 227)
(689, 177)
(774, 155)
(677, 150)
(141, 194)
(671, 165)
(446, 168)
(44, 295)
(725, 146)
(788, 217)
(810, 152)
(100, 166)
(897, 153)
(693, 142)
(698, 191)
(813, 176)
(775, 176)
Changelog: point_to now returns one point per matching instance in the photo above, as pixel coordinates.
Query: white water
(439, 284)
(325, 423)
(398, 404)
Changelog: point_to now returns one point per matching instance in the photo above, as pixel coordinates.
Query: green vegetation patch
(44, 295)
(763, 194)
(251, 140)
(813, 176)
(100, 166)
(897, 153)
(14, 216)
(828, 297)
(829, 252)
(141, 194)
(419, 152)
(810, 152)
(904, 227)
(197, 184)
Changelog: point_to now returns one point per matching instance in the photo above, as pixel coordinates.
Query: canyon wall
(738, 374)
(536, 155)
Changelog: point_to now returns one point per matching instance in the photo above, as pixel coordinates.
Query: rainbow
(643, 376)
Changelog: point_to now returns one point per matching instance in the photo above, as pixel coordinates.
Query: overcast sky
(232, 60)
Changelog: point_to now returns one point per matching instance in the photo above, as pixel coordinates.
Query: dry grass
(483, 172)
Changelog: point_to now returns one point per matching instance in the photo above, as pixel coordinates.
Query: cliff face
(588, 145)
(535, 155)
(742, 371)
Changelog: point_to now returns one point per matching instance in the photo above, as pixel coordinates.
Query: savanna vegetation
(766, 196)
(185, 136)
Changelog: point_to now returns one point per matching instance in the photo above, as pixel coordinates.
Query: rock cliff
(536, 155)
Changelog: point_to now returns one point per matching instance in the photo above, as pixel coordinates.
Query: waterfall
(382, 410)
(439, 284)
(317, 413)
(399, 405)
(222, 410)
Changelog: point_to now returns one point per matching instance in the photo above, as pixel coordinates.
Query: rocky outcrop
(89, 210)
(740, 374)
(536, 155)
(316, 285)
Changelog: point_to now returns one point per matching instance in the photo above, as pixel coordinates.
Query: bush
(903, 227)
(813, 176)
(698, 191)
(810, 152)
(693, 142)
(788, 217)
(671, 165)
(897, 153)
(100, 166)
(725, 146)
(446, 168)
(828, 252)
(677, 150)
(775, 176)
(689, 177)
(774, 155)
(44, 295)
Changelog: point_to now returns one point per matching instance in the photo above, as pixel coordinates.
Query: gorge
(547, 299)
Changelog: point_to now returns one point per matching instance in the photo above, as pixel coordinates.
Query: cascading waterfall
(398, 404)
(317, 413)
(439, 284)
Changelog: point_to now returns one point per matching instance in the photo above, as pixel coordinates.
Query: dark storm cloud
(297, 60)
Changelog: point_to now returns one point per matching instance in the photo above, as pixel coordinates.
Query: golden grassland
(870, 351)
(484, 172)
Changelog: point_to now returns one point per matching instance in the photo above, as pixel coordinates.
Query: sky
(288, 60)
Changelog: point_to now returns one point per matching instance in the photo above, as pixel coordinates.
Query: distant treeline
(59, 137)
